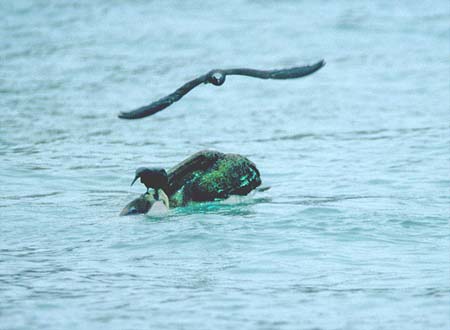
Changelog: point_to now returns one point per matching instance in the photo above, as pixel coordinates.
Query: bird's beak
(135, 178)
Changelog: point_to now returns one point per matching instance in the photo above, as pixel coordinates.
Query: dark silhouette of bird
(217, 78)
(155, 178)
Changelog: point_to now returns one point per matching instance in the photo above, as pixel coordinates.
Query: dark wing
(290, 73)
(199, 161)
(209, 174)
(164, 102)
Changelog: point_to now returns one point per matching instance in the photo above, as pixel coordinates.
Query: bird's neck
(163, 197)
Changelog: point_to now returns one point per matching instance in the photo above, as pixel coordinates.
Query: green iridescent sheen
(207, 176)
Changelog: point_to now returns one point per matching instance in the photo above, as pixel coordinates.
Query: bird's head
(140, 205)
(155, 178)
(145, 203)
(216, 77)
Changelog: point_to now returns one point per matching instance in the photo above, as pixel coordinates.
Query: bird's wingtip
(124, 115)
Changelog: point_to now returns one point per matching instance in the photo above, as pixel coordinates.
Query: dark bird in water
(155, 178)
(217, 78)
(205, 176)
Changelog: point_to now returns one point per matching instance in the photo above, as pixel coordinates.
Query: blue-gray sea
(354, 231)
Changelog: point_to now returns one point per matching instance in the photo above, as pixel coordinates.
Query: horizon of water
(354, 231)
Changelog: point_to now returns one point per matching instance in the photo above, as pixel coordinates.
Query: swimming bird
(217, 78)
(205, 176)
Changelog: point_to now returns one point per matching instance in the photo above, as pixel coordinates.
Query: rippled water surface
(354, 232)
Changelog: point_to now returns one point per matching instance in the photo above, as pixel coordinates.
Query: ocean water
(354, 232)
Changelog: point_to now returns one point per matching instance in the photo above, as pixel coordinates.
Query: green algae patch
(203, 177)
(230, 175)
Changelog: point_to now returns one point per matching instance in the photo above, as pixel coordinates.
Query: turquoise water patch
(354, 232)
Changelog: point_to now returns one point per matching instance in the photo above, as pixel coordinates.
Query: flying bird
(217, 78)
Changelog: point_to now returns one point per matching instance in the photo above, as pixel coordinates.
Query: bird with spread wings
(217, 78)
